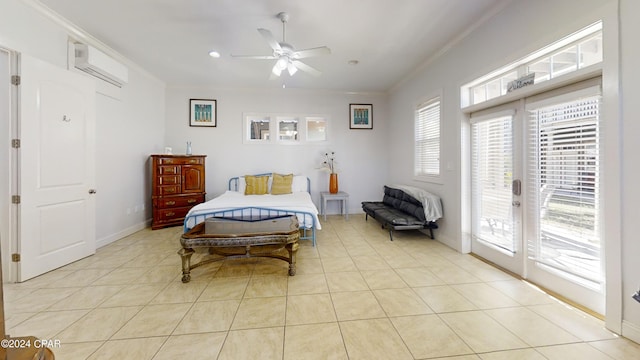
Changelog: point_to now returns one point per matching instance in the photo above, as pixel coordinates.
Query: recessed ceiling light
(214, 54)
(353, 62)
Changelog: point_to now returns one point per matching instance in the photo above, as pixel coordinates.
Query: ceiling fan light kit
(285, 54)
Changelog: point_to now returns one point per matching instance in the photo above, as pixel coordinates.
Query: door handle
(92, 191)
(515, 203)
(516, 187)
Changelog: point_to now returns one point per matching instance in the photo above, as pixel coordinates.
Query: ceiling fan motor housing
(283, 16)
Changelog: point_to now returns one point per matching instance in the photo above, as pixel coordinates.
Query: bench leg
(185, 255)
(391, 234)
(293, 250)
(431, 233)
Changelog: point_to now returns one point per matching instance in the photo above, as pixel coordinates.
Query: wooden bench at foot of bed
(273, 237)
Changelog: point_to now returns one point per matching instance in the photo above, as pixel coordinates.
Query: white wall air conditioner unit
(100, 65)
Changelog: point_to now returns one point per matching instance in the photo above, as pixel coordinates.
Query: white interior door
(56, 170)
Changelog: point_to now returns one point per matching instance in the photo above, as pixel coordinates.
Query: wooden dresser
(177, 185)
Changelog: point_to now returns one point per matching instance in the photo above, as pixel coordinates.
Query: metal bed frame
(308, 233)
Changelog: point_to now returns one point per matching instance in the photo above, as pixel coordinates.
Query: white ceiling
(171, 38)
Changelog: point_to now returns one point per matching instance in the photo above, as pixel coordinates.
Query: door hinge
(15, 143)
(15, 80)
(15, 199)
(15, 257)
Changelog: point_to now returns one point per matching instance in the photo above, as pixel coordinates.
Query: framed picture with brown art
(202, 112)
(360, 116)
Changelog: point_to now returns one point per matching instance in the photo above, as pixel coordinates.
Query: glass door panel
(496, 233)
(564, 212)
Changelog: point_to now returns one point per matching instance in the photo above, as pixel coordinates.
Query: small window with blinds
(564, 183)
(427, 140)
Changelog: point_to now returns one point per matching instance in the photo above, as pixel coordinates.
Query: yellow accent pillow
(281, 184)
(256, 185)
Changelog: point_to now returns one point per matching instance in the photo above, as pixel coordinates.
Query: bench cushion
(397, 217)
(398, 199)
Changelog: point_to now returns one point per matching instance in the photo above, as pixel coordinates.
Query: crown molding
(77, 34)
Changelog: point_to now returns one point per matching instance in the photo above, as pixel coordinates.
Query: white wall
(511, 34)
(128, 130)
(520, 28)
(362, 155)
(630, 73)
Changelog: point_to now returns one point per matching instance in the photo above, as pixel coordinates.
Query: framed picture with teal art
(202, 112)
(361, 116)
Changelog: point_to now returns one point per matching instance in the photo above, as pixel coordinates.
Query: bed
(237, 202)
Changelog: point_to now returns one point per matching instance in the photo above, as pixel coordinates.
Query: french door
(536, 190)
(564, 212)
(496, 186)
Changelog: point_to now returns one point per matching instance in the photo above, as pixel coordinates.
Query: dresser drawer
(169, 180)
(169, 170)
(168, 190)
(178, 201)
(181, 161)
(174, 213)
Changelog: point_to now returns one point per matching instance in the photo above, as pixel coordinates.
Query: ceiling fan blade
(267, 35)
(323, 50)
(260, 57)
(306, 68)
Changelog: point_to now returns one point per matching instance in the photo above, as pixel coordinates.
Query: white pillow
(299, 183)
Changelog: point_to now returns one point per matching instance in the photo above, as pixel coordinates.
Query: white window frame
(436, 135)
(521, 67)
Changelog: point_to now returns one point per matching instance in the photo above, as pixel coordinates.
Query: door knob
(515, 203)
(92, 191)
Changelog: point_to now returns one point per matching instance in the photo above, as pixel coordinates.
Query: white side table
(341, 196)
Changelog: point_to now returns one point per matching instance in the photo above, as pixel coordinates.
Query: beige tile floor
(355, 296)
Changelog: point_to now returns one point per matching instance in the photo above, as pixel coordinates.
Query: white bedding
(296, 202)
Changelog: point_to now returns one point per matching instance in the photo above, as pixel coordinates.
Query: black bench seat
(398, 211)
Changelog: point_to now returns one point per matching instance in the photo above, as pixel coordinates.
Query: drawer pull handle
(191, 201)
(170, 190)
(170, 203)
(170, 213)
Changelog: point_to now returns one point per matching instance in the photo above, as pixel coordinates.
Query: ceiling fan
(286, 56)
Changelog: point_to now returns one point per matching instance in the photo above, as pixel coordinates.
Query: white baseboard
(631, 331)
(121, 234)
(447, 241)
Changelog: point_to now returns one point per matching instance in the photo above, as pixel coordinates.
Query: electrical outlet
(636, 296)
(135, 208)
